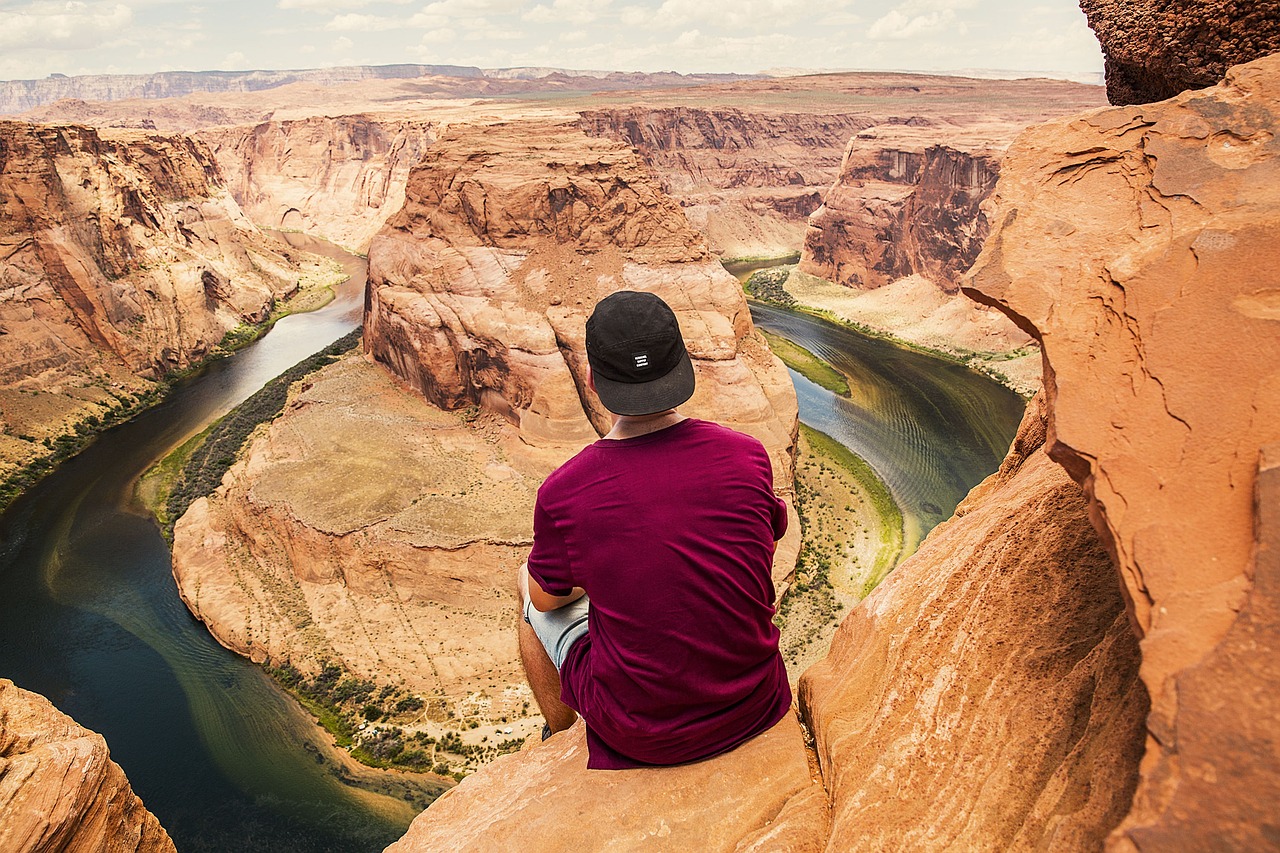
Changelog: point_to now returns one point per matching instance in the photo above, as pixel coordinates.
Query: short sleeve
(549, 559)
(779, 518)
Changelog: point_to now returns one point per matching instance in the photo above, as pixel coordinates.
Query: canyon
(1082, 657)
(124, 259)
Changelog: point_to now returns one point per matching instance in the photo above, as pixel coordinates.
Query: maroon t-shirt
(671, 534)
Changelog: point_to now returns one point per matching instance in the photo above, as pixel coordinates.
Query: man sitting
(647, 597)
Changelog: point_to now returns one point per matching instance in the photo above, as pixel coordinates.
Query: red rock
(985, 696)
(760, 797)
(1139, 245)
(1155, 49)
(59, 788)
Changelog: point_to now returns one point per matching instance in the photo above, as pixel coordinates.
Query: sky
(40, 37)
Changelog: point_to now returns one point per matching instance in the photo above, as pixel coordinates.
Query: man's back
(671, 534)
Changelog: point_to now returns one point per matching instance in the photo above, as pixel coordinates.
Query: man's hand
(542, 600)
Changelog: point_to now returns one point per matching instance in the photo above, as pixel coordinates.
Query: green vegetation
(877, 494)
(63, 447)
(195, 469)
(767, 286)
(807, 364)
(345, 706)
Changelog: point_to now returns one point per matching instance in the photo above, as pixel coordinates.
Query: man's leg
(539, 670)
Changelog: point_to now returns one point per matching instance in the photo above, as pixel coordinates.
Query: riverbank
(911, 312)
(44, 428)
(852, 537)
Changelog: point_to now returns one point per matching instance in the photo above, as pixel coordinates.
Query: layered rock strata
(747, 179)
(59, 788)
(121, 256)
(985, 696)
(336, 177)
(1139, 245)
(906, 202)
(1155, 49)
(379, 522)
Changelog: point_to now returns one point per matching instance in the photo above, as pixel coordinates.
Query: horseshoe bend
(1082, 656)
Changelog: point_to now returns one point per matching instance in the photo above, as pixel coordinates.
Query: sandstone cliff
(339, 178)
(1140, 246)
(380, 521)
(59, 788)
(984, 697)
(121, 257)
(1155, 49)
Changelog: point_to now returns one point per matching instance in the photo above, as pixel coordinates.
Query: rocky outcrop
(380, 521)
(761, 797)
(1139, 245)
(339, 178)
(985, 696)
(59, 788)
(1155, 49)
(906, 202)
(121, 256)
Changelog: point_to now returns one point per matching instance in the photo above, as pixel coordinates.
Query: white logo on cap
(642, 360)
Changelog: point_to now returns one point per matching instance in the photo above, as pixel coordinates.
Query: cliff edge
(59, 788)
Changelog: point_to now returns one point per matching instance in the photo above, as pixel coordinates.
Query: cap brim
(646, 398)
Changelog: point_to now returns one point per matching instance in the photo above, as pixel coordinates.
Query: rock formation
(1155, 49)
(339, 178)
(121, 256)
(59, 788)
(380, 524)
(985, 696)
(747, 178)
(906, 202)
(1139, 245)
(762, 797)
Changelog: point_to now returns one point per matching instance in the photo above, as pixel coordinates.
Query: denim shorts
(559, 629)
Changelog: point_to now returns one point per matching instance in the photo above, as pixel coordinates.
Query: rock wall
(121, 256)
(59, 788)
(906, 202)
(1155, 49)
(335, 177)
(1139, 245)
(746, 178)
(380, 521)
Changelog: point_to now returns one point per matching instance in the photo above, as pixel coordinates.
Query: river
(90, 616)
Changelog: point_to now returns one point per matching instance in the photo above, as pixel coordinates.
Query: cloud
(356, 23)
(567, 12)
(63, 26)
(735, 14)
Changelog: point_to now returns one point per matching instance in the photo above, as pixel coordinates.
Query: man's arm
(544, 601)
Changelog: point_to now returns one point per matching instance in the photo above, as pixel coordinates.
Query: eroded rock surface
(762, 797)
(121, 257)
(336, 177)
(1140, 244)
(59, 788)
(986, 695)
(1155, 49)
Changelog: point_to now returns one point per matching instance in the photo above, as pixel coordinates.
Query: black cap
(637, 355)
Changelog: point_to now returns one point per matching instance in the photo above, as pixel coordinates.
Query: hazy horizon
(43, 37)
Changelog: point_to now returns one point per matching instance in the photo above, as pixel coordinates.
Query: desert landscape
(1081, 657)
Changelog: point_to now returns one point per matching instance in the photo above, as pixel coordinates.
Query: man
(647, 597)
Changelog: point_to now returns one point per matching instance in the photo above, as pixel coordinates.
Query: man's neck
(633, 426)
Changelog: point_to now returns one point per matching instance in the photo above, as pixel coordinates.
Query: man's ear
(591, 380)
